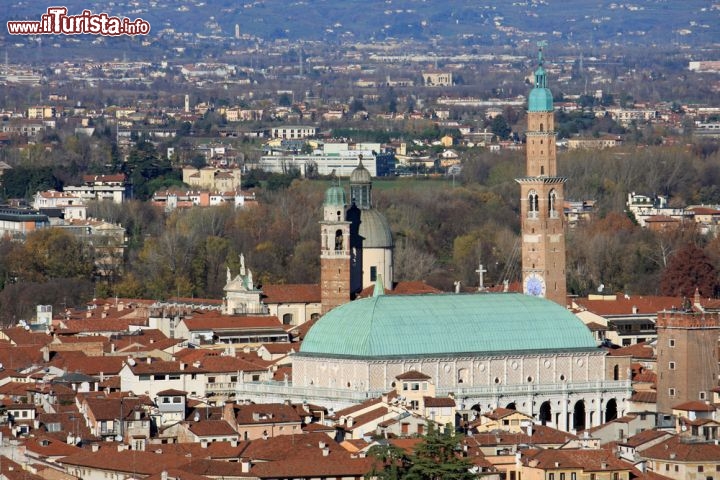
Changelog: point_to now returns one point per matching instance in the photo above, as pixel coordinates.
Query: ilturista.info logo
(57, 22)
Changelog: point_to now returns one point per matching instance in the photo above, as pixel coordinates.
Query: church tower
(541, 199)
(334, 251)
(371, 242)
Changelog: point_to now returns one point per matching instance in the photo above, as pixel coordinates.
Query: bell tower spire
(542, 197)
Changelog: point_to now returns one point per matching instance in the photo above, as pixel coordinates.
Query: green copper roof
(540, 99)
(335, 195)
(446, 324)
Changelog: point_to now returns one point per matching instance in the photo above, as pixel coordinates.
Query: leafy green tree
(499, 126)
(144, 165)
(392, 462)
(439, 457)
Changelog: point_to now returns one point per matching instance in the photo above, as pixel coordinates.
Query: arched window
(542, 128)
(287, 319)
(533, 204)
(552, 204)
(338, 240)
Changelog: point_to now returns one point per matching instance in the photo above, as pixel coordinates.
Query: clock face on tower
(534, 285)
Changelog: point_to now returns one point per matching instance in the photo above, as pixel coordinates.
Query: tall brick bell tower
(541, 199)
(334, 250)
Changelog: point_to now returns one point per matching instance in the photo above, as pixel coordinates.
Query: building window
(287, 319)
(373, 274)
(671, 392)
(551, 476)
(552, 199)
(701, 468)
(671, 342)
(533, 204)
(703, 395)
(671, 365)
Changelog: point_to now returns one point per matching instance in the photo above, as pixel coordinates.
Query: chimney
(182, 366)
(148, 360)
(634, 309)
(164, 475)
(204, 443)
(603, 465)
(95, 447)
(322, 445)
(326, 451)
(233, 442)
(245, 466)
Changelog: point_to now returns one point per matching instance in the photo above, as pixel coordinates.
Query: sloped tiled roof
(680, 449)
(293, 293)
(623, 305)
(214, 321)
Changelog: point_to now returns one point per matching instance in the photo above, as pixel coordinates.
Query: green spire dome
(541, 99)
(335, 196)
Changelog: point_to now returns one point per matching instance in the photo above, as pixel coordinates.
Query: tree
(438, 457)
(688, 269)
(499, 126)
(392, 462)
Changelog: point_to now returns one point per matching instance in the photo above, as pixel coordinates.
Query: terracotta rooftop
(624, 305)
(438, 402)
(637, 350)
(215, 321)
(644, 437)
(695, 406)
(644, 397)
(293, 293)
(679, 449)
(413, 375)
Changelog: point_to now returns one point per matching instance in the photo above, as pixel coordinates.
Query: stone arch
(533, 204)
(511, 406)
(611, 410)
(578, 415)
(338, 240)
(545, 413)
(552, 204)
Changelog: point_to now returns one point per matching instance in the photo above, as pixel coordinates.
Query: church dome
(540, 100)
(335, 195)
(374, 230)
(360, 174)
(446, 325)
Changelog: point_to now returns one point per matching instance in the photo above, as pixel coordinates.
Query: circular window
(497, 380)
(580, 362)
(348, 384)
(547, 363)
(392, 384)
(529, 379)
(562, 378)
(482, 367)
(514, 365)
(447, 368)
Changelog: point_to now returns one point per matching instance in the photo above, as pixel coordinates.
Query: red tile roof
(212, 428)
(680, 449)
(695, 406)
(215, 321)
(622, 305)
(127, 461)
(298, 293)
(637, 350)
(438, 402)
(644, 397)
